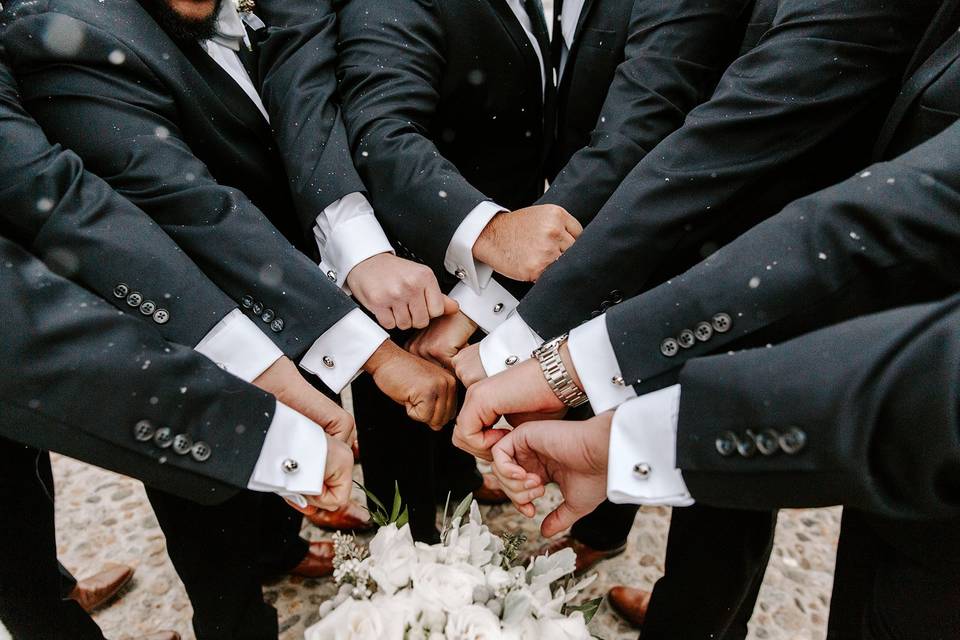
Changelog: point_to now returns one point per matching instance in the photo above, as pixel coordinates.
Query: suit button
(200, 452)
(161, 316)
(722, 323)
(268, 315)
(616, 296)
(704, 331)
(134, 299)
(148, 307)
(642, 470)
(120, 291)
(328, 362)
(247, 302)
(460, 274)
(497, 308)
(163, 438)
(290, 465)
(257, 308)
(277, 325)
(768, 442)
(669, 347)
(143, 431)
(747, 446)
(332, 274)
(686, 339)
(726, 443)
(793, 441)
(182, 444)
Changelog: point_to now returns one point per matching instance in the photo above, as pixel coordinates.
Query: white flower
(546, 570)
(427, 553)
(449, 587)
(392, 555)
(517, 606)
(356, 620)
(526, 629)
(472, 543)
(498, 580)
(472, 622)
(572, 628)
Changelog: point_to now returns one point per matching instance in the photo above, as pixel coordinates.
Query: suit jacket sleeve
(118, 117)
(876, 399)
(391, 62)
(673, 58)
(82, 229)
(298, 59)
(767, 112)
(62, 347)
(883, 238)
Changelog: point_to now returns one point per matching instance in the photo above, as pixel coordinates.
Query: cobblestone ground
(103, 517)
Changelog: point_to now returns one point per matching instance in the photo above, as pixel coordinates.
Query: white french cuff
(239, 347)
(509, 344)
(347, 233)
(459, 259)
(338, 356)
(490, 308)
(642, 465)
(293, 459)
(597, 367)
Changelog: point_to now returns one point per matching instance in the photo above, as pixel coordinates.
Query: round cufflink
(328, 362)
(497, 308)
(332, 274)
(290, 465)
(617, 380)
(460, 274)
(642, 470)
(511, 360)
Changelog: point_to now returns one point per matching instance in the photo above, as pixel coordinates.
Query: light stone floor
(103, 517)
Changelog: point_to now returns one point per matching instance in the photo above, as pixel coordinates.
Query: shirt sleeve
(339, 354)
(488, 308)
(459, 259)
(238, 346)
(293, 442)
(642, 466)
(597, 367)
(347, 233)
(510, 343)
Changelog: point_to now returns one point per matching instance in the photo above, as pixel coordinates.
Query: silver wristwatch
(556, 373)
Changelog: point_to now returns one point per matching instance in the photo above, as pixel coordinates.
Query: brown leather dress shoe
(350, 517)
(490, 491)
(318, 562)
(630, 603)
(94, 592)
(161, 635)
(587, 557)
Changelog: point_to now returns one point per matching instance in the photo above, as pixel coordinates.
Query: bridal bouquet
(463, 588)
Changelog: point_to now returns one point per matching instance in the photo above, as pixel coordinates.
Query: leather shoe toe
(630, 603)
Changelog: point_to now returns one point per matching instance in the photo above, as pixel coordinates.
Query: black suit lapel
(509, 21)
(582, 20)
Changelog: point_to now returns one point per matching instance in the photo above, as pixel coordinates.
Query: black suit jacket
(876, 402)
(61, 346)
(444, 107)
(167, 128)
(795, 113)
(886, 237)
(636, 68)
(83, 230)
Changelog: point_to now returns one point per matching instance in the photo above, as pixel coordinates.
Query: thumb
(450, 306)
(560, 519)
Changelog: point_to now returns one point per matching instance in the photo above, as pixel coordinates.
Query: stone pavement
(103, 517)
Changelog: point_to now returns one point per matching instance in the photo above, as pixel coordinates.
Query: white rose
(472, 622)
(392, 555)
(449, 587)
(572, 628)
(356, 620)
(526, 629)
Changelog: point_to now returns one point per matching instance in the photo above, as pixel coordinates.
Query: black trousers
(31, 602)
(223, 553)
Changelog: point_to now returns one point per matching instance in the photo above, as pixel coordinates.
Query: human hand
(400, 293)
(522, 244)
(427, 391)
(468, 366)
(284, 381)
(520, 394)
(443, 339)
(337, 480)
(572, 454)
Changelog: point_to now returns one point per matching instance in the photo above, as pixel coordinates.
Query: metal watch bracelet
(556, 374)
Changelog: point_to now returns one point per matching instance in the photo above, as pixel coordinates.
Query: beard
(180, 27)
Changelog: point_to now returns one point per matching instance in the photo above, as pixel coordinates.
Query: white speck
(189, 177)
(183, 390)
(854, 235)
(154, 400)
(442, 194)
(865, 174)
(822, 255)
(146, 365)
(790, 562)
(891, 180)
(754, 282)
(117, 57)
(34, 404)
(44, 205)
(162, 132)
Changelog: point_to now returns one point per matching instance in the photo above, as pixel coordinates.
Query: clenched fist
(427, 391)
(522, 244)
(443, 339)
(337, 480)
(400, 293)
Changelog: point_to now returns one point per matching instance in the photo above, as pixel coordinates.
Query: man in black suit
(109, 355)
(854, 249)
(885, 400)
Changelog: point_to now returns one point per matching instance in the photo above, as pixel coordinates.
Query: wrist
(384, 353)
(568, 363)
(485, 248)
(358, 270)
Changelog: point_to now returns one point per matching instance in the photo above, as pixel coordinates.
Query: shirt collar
(569, 20)
(229, 30)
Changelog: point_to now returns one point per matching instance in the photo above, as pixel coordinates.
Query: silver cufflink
(511, 360)
(497, 308)
(617, 380)
(290, 465)
(642, 470)
(328, 362)
(460, 273)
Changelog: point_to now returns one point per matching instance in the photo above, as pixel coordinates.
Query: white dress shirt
(482, 299)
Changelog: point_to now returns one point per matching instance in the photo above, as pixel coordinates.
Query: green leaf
(397, 503)
(404, 518)
(371, 497)
(588, 608)
(463, 507)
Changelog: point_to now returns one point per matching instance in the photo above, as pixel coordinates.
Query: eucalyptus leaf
(588, 608)
(463, 507)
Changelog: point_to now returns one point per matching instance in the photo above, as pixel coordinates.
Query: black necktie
(534, 10)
